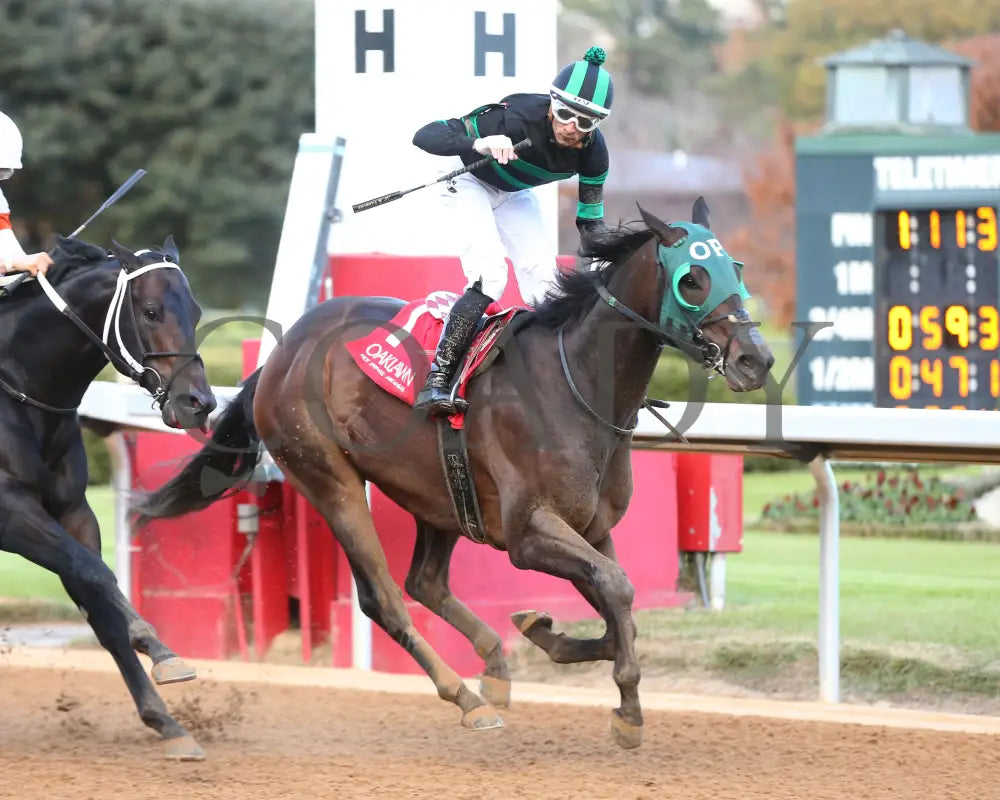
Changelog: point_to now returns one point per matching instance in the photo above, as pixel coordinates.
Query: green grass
(893, 593)
(762, 487)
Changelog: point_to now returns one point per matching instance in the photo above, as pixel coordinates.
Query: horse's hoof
(525, 620)
(183, 748)
(173, 670)
(495, 691)
(626, 735)
(481, 718)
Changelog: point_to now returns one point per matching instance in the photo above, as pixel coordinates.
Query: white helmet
(11, 143)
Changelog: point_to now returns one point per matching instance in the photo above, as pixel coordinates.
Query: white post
(717, 581)
(829, 579)
(302, 249)
(121, 484)
(361, 625)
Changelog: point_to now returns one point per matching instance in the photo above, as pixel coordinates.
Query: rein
(691, 342)
(122, 360)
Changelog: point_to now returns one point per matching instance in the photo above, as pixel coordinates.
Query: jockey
(12, 256)
(494, 209)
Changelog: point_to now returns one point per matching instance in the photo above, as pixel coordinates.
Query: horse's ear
(699, 214)
(126, 257)
(170, 249)
(667, 234)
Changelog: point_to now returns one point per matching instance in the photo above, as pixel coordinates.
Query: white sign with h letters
(386, 69)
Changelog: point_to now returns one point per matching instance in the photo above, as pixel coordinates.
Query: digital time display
(937, 325)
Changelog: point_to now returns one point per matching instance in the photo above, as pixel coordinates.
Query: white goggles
(566, 114)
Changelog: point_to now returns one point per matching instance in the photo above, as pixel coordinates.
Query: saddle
(397, 357)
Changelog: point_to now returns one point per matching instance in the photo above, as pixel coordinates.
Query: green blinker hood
(702, 248)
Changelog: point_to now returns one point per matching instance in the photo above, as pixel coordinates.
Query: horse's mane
(575, 291)
(71, 255)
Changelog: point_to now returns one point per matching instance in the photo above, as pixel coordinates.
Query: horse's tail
(224, 465)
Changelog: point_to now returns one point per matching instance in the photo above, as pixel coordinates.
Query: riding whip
(115, 197)
(118, 194)
(388, 198)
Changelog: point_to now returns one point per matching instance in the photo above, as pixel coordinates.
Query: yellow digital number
(995, 379)
(961, 234)
(956, 322)
(931, 327)
(935, 230)
(961, 365)
(903, 220)
(989, 328)
(932, 374)
(987, 228)
(900, 378)
(900, 327)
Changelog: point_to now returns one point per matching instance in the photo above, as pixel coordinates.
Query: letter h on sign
(494, 43)
(365, 40)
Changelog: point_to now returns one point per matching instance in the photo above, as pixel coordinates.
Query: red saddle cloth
(398, 354)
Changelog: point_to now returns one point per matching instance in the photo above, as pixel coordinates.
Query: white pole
(829, 579)
(121, 484)
(361, 625)
(717, 581)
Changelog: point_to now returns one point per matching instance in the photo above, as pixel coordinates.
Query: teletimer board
(897, 250)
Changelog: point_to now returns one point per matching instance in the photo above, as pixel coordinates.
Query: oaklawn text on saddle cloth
(397, 355)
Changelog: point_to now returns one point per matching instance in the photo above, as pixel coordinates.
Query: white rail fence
(816, 435)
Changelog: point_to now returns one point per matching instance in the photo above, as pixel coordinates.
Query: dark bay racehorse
(548, 436)
(136, 310)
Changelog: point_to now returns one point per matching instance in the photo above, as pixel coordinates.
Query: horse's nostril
(753, 365)
(189, 403)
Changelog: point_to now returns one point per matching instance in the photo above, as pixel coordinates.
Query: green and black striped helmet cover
(585, 84)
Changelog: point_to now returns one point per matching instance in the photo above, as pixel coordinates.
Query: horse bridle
(128, 365)
(691, 341)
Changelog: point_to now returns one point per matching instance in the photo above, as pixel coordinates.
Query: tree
(659, 44)
(823, 27)
(767, 242)
(985, 106)
(814, 29)
(210, 98)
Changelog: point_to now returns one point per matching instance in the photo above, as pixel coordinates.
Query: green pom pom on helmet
(585, 84)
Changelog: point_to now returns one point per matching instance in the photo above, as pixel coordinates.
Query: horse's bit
(691, 341)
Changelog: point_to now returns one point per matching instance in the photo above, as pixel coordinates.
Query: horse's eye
(688, 282)
(150, 314)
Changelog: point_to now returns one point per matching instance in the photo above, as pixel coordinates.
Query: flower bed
(896, 504)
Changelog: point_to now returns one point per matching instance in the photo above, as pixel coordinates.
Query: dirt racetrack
(71, 732)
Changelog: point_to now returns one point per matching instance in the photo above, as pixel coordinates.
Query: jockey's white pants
(483, 226)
